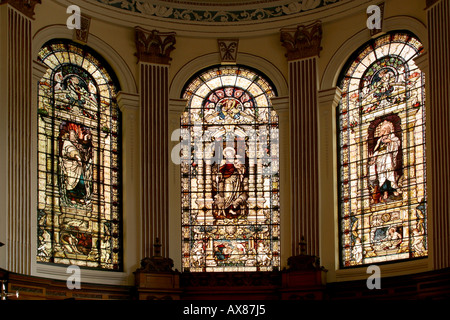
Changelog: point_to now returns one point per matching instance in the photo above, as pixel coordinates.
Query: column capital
(127, 101)
(302, 42)
(280, 104)
(329, 97)
(24, 6)
(39, 69)
(422, 62)
(154, 46)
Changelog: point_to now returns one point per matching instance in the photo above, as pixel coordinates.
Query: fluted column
(17, 209)
(438, 133)
(303, 47)
(153, 52)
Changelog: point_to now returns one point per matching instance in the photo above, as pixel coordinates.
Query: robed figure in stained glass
(383, 164)
(382, 154)
(230, 187)
(76, 163)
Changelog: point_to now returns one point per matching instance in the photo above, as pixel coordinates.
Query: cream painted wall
(266, 46)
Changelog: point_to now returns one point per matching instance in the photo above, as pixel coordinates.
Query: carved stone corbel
(82, 34)
(303, 41)
(228, 49)
(24, 6)
(154, 46)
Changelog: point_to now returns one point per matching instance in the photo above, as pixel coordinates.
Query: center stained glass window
(230, 173)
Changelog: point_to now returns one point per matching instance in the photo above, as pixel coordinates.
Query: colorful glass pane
(229, 173)
(78, 160)
(381, 116)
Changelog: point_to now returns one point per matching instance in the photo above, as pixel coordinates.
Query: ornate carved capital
(303, 41)
(154, 46)
(24, 6)
(228, 50)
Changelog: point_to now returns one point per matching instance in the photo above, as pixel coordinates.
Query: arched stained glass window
(79, 216)
(381, 116)
(230, 173)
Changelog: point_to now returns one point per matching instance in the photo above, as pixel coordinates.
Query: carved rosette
(154, 46)
(24, 6)
(228, 49)
(302, 42)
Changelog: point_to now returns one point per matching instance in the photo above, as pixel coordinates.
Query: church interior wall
(115, 42)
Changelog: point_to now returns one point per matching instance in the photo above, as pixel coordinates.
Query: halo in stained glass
(382, 162)
(229, 173)
(79, 218)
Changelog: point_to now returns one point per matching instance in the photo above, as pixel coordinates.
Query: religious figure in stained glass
(382, 153)
(75, 152)
(230, 187)
(229, 173)
(78, 159)
(385, 161)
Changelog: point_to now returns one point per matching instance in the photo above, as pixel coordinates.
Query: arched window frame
(199, 88)
(409, 222)
(85, 231)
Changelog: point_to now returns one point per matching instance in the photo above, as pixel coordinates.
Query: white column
(328, 188)
(281, 106)
(129, 106)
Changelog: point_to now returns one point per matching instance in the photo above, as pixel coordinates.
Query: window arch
(230, 173)
(382, 167)
(79, 204)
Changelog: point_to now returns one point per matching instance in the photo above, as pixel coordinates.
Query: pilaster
(303, 47)
(438, 133)
(153, 52)
(18, 207)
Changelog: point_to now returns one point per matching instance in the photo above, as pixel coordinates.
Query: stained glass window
(230, 173)
(381, 139)
(79, 218)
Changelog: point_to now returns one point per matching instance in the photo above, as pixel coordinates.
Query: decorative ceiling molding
(24, 6)
(216, 12)
(154, 46)
(303, 41)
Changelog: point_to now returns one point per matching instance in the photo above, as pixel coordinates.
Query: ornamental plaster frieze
(189, 17)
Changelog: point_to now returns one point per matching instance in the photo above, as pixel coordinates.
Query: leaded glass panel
(78, 160)
(229, 173)
(381, 140)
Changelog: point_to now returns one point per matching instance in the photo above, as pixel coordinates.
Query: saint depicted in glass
(78, 160)
(229, 173)
(382, 153)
